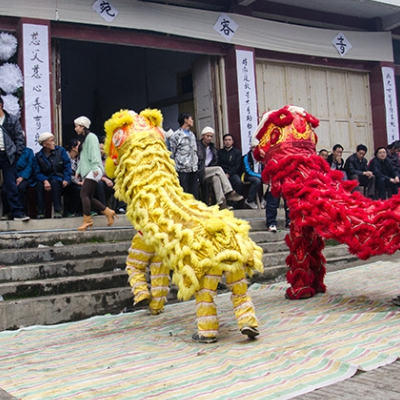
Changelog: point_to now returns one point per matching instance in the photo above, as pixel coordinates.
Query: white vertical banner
(37, 83)
(392, 120)
(247, 97)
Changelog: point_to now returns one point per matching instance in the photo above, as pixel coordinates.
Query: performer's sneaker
(272, 228)
(250, 331)
(396, 301)
(196, 337)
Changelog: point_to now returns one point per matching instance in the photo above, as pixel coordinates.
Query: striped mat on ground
(303, 345)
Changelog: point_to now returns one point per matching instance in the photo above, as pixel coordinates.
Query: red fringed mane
(317, 197)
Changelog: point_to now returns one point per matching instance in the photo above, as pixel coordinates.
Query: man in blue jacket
(11, 147)
(53, 173)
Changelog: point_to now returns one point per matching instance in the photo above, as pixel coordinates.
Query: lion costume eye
(275, 135)
(119, 137)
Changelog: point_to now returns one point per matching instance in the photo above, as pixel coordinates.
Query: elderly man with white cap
(210, 171)
(53, 172)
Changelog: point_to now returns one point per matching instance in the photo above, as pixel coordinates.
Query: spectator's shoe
(57, 215)
(87, 223)
(196, 337)
(251, 205)
(110, 215)
(233, 196)
(224, 206)
(93, 213)
(272, 228)
(40, 216)
(69, 215)
(287, 227)
(263, 203)
(250, 331)
(6, 217)
(21, 217)
(121, 211)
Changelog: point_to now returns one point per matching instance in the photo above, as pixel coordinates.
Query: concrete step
(63, 268)
(58, 253)
(61, 308)
(63, 285)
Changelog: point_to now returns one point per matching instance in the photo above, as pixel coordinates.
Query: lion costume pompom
(198, 243)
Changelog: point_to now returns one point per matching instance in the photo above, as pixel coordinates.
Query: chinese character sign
(342, 44)
(247, 97)
(37, 83)
(105, 9)
(226, 27)
(389, 87)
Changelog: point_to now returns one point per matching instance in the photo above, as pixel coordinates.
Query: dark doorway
(99, 79)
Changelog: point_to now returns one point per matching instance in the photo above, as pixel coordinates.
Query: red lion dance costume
(321, 204)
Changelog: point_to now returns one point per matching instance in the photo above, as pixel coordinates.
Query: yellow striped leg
(159, 285)
(206, 311)
(138, 259)
(242, 304)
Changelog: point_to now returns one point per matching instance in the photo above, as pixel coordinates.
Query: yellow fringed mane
(189, 236)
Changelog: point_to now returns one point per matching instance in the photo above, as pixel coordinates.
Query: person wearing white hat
(210, 171)
(91, 169)
(52, 168)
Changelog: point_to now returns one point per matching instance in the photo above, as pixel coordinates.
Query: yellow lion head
(123, 125)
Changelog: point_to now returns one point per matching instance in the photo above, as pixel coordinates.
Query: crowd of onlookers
(224, 176)
(220, 176)
(51, 176)
(377, 179)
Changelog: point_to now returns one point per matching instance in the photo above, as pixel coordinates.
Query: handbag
(96, 178)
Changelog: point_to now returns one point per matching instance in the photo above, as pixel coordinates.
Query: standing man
(356, 167)
(12, 145)
(230, 160)
(209, 170)
(183, 148)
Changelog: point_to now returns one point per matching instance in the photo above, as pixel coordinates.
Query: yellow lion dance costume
(175, 231)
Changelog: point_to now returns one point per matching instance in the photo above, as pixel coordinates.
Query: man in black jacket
(230, 160)
(210, 171)
(356, 167)
(12, 145)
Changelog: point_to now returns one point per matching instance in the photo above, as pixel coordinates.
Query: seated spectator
(230, 160)
(323, 153)
(386, 176)
(210, 171)
(72, 192)
(25, 179)
(252, 174)
(335, 159)
(105, 187)
(393, 154)
(52, 168)
(356, 167)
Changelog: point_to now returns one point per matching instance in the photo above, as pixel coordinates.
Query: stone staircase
(51, 273)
